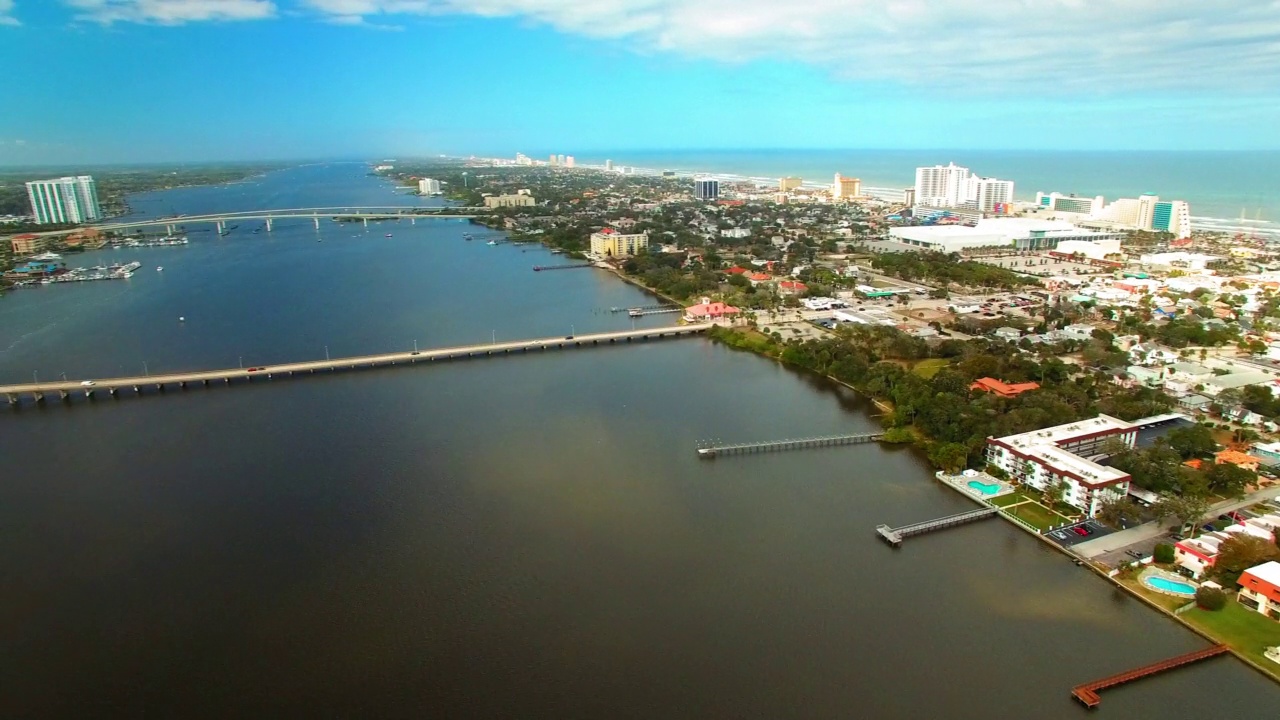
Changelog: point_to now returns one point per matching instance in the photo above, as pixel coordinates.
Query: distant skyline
(207, 80)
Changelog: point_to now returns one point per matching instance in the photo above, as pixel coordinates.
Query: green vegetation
(1239, 553)
(1010, 499)
(949, 268)
(1038, 515)
(929, 367)
(1210, 598)
(1243, 629)
(1163, 553)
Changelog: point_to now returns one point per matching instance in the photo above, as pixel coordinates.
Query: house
(792, 287)
(1194, 403)
(1237, 458)
(757, 278)
(1079, 332)
(1260, 589)
(1150, 354)
(1146, 377)
(707, 311)
(1267, 453)
(1002, 389)
(1218, 383)
(735, 270)
(1197, 555)
(1010, 334)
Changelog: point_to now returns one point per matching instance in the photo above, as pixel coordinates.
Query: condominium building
(1057, 202)
(990, 194)
(1260, 589)
(611, 243)
(941, 186)
(1061, 455)
(845, 188)
(64, 200)
(608, 165)
(501, 201)
(787, 184)
(428, 186)
(1145, 212)
(706, 189)
(569, 161)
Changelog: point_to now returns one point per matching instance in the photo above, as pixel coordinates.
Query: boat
(491, 242)
(159, 268)
(387, 235)
(635, 312)
(46, 256)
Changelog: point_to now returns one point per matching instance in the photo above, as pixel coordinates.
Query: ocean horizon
(1221, 185)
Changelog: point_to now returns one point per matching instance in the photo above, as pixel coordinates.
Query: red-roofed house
(1006, 390)
(710, 312)
(735, 270)
(1237, 458)
(791, 287)
(27, 244)
(757, 278)
(1260, 589)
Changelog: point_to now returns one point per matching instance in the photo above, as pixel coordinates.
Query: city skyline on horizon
(196, 81)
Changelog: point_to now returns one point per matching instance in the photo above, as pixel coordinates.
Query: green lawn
(1241, 628)
(1038, 515)
(1007, 500)
(929, 367)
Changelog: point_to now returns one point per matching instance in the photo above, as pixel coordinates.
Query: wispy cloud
(1003, 45)
(170, 12)
(6, 13)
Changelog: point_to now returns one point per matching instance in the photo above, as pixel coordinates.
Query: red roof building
(1260, 589)
(1006, 390)
(792, 287)
(735, 270)
(710, 312)
(758, 278)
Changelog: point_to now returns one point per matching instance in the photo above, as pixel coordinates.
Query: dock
(895, 536)
(709, 450)
(540, 268)
(1088, 693)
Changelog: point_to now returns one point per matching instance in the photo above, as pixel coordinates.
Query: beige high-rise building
(845, 188)
(610, 243)
(787, 184)
(501, 201)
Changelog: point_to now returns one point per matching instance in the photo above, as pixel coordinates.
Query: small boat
(635, 312)
(387, 235)
(491, 242)
(159, 268)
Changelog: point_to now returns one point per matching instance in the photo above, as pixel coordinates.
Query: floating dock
(1088, 693)
(709, 451)
(895, 536)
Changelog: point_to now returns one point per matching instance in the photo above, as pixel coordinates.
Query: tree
(1239, 553)
(1163, 553)
(1185, 509)
(1053, 492)
(1192, 442)
(1229, 480)
(1211, 598)
(1118, 512)
(949, 456)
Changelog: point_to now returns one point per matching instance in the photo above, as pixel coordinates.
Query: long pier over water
(89, 388)
(711, 450)
(1088, 693)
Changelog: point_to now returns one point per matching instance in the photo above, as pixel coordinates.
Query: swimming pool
(984, 488)
(1173, 587)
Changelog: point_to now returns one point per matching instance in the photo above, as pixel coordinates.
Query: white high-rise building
(987, 193)
(552, 161)
(560, 160)
(608, 165)
(940, 186)
(522, 159)
(568, 161)
(64, 200)
(428, 186)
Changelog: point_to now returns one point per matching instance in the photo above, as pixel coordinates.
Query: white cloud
(170, 12)
(1099, 46)
(6, 13)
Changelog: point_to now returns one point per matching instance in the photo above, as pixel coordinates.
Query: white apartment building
(1061, 454)
(989, 193)
(1146, 212)
(428, 186)
(609, 243)
(942, 186)
(64, 200)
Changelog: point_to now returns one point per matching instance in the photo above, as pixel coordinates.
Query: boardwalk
(1088, 693)
(895, 536)
(711, 450)
(66, 389)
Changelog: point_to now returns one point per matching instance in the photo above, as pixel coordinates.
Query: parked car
(1079, 530)
(88, 383)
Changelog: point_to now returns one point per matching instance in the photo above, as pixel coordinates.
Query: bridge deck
(1088, 693)
(38, 390)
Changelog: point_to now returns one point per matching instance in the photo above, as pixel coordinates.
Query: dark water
(514, 537)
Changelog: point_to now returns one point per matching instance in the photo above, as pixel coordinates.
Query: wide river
(527, 536)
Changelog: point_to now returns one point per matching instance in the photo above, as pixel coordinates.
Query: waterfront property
(1059, 455)
(1196, 555)
(1260, 589)
(611, 243)
(977, 485)
(64, 200)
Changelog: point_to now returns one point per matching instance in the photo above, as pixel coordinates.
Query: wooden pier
(1088, 693)
(895, 536)
(540, 268)
(708, 451)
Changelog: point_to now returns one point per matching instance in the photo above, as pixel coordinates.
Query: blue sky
(159, 80)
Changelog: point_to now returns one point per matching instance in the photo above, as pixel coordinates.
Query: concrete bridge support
(365, 221)
(13, 399)
(268, 224)
(168, 229)
(316, 220)
(221, 226)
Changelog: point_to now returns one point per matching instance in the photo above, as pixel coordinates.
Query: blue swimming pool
(984, 488)
(1171, 586)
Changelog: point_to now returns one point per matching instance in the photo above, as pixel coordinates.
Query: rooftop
(1062, 433)
(1268, 572)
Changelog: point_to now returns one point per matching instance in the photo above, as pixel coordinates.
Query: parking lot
(1070, 535)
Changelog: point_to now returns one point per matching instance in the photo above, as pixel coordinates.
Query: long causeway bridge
(66, 389)
(364, 214)
(895, 536)
(711, 450)
(1088, 693)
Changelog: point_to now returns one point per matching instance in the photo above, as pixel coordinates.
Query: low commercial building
(1260, 589)
(1012, 233)
(1059, 455)
(28, 244)
(611, 243)
(708, 311)
(501, 201)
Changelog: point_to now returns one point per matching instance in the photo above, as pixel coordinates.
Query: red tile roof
(1002, 389)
